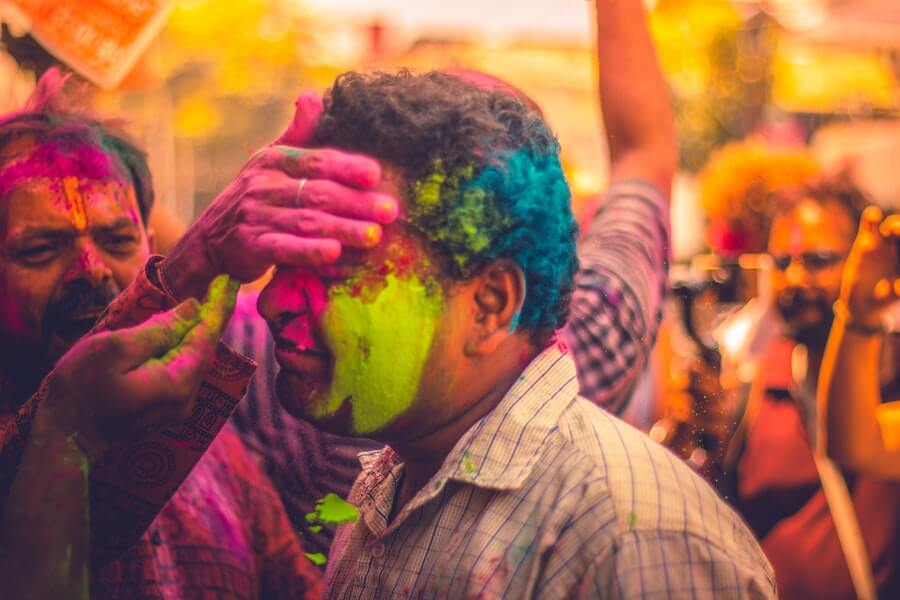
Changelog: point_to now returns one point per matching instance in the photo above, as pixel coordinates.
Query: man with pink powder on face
(498, 479)
(616, 305)
(74, 198)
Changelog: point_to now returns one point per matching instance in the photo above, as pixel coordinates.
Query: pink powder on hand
(308, 109)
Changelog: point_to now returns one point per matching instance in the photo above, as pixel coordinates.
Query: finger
(175, 378)
(890, 228)
(317, 224)
(220, 300)
(155, 336)
(871, 218)
(323, 195)
(322, 163)
(331, 197)
(883, 290)
(287, 249)
(307, 110)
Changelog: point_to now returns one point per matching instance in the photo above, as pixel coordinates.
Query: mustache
(796, 302)
(78, 299)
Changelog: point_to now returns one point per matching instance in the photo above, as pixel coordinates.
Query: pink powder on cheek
(53, 161)
(302, 293)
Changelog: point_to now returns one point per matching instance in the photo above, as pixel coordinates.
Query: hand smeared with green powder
(114, 386)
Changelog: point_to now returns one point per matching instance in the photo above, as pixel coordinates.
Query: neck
(424, 455)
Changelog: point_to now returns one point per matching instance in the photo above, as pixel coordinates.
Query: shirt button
(156, 539)
(378, 550)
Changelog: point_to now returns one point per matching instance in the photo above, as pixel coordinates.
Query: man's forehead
(811, 223)
(68, 201)
(35, 158)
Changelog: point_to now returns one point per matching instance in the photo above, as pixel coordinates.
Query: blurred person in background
(775, 481)
(860, 432)
(738, 188)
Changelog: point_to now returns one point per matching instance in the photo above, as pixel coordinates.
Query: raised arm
(616, 307)
(634, 97)
(859, 432)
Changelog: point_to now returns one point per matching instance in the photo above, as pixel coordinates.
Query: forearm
(616, 307)
(634, 96)
(849, 395)
(44, 539)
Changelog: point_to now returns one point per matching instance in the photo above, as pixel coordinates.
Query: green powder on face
(380, 346)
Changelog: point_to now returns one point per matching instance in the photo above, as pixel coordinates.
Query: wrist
(186, 272)
(62, 445)
(870, 325)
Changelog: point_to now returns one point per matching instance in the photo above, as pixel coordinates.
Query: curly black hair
(482, 173)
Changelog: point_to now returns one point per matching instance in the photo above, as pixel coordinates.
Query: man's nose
(88, 264)
(291, 293)
(796, 274)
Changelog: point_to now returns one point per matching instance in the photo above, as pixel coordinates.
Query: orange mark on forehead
(75, 202)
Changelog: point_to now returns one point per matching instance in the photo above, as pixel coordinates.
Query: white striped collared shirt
(547, 496)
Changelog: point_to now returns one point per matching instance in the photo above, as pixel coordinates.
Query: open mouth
(72, 329)
(294, 357)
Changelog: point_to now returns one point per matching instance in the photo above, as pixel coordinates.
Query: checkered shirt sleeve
(619, 291)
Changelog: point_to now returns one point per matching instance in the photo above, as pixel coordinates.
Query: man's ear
(499, 293)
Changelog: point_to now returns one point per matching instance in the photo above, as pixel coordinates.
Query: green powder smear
(333, 510)
(380, 346)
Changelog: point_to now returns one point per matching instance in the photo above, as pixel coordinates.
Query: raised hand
(287, 206)
(871, 281)
(117, 385)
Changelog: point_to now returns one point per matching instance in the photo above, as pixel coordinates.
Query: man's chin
(302, 398)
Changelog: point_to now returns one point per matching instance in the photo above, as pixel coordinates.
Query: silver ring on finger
(300, 184)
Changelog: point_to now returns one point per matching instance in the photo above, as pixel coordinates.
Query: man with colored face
(74, 197)
(616, 304)
(74, 238)
(498, 480)
(775, 481)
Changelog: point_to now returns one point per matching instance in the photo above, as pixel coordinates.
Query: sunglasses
(811, 261)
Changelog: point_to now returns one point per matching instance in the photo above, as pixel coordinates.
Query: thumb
(155, 336)
(221, 297)
(870, 220)
(308, 109)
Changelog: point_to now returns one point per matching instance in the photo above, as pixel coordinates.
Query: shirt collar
(501, 449)
(497, 452)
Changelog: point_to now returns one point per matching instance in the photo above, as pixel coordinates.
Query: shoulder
(648, 488)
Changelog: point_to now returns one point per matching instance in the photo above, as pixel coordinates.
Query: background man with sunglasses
(775, 483)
